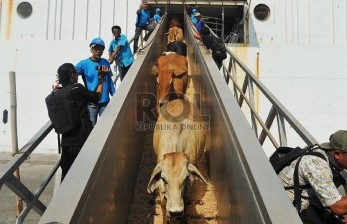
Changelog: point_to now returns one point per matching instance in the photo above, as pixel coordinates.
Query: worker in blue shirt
(142, 23)
(157, 16)
(89, 69)
(192, 16)
(200, 23)
(120, 52)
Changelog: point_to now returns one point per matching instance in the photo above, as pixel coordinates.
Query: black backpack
(284, 156)
(63, 111)
(219, 50)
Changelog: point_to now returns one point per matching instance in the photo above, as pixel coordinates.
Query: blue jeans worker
(142, 23)
(89, 69)
(120, 52)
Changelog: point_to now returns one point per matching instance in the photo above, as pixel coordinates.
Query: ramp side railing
(246, 86)
(7, 178)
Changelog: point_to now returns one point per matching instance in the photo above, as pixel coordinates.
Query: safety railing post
(13, 117)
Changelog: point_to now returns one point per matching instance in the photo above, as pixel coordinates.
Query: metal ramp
(99, 186)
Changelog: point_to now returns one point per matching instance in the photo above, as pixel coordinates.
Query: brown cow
(179, 142)
(175, 32)
(172, 77)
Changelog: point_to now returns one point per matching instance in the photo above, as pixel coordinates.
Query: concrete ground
(32, 172)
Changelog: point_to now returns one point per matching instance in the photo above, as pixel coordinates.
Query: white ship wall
(302, 54)
(58, 31)
(302, 60)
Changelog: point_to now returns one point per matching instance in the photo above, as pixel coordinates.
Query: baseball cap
(197, 14)
(337, 141)
(97, 41)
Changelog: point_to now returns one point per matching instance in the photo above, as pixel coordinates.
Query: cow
(171, 72)
(179, 47)
(175, 32)
(175, 38)
(179, 142)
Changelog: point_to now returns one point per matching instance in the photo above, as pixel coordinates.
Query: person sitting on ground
(320, 200)
(120, 52)
(73, 140)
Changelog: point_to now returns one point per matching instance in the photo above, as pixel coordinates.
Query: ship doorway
(226, 21)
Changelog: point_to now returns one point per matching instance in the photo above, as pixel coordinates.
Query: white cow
(179, 141)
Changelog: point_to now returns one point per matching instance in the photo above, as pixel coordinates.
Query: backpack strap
(297, 188)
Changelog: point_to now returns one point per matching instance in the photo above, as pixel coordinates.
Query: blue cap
(194, 10)
(97, 41)
(157, 10)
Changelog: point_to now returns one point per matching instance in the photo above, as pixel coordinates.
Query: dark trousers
(123, 71)
(218, 61)
(314, 215)
(138, 31)
(68, 156)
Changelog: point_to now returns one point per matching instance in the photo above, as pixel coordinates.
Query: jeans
(95, 110)
(123, 71)
(138, 31)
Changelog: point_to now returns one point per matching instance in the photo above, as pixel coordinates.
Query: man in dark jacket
(73, 140)
(209, 41)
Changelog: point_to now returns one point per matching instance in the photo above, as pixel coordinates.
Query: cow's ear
(155, 179)
(178, 73)
(155, 70)
(195, 173)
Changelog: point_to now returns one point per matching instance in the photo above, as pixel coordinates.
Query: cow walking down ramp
(175, 32)
(171, 72)
(179, 142)
(175, 38)
(179, 47)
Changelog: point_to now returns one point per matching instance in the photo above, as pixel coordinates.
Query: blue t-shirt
(193, 18)
(87, 69)
(145, 17)
(126, 58)
(157, 18)
(199, 25)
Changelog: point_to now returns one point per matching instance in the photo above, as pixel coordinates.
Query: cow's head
(173, 174)
(170, 83)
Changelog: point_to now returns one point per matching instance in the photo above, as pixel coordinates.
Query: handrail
(236, 68)
(16, 186)
(233, 71)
